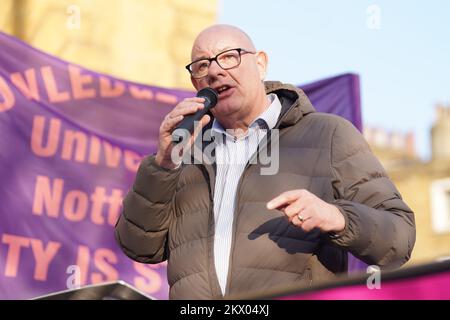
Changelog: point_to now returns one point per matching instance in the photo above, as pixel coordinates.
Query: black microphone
(186, 127)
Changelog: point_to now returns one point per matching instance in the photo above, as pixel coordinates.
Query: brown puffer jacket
(169, 214)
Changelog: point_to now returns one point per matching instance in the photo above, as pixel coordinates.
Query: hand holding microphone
(179, 123)
(185, 129)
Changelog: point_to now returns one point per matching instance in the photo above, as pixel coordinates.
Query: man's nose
(214, 69)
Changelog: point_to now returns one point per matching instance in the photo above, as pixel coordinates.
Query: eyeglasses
(227, 59)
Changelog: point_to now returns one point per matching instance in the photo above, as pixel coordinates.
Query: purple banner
(71, 141)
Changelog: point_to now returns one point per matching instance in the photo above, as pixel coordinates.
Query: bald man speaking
(228, 227)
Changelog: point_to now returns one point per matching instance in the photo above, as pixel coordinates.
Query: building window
(440, 205)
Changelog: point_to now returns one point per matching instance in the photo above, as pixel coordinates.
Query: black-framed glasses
(227, 59)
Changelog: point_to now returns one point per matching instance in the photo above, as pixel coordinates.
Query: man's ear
(262, 60)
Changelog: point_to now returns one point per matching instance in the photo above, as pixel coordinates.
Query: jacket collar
(295, 104)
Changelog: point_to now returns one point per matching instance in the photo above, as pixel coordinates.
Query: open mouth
(223, 90)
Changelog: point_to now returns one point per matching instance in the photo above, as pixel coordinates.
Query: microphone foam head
(210, 94)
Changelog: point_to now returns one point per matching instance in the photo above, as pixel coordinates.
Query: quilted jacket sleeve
(142, 229)
(380, 227)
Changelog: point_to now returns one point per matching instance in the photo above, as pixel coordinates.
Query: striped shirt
(232, 155)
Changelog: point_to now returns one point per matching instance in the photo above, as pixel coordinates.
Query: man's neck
(239, 127)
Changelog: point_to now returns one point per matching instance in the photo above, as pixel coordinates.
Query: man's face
(242, 83)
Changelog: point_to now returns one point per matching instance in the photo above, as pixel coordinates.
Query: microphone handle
(188, 123)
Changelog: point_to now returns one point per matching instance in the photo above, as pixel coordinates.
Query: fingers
(297, 213)
(296, 205)
(296, 221)
(285, 199)
(187, 106)
(171, 120)
(195, 99)
(308, 225)
(294, 209)
(304, 221)
(188, 102)
(198, 129)
(203, 122)
(186, 109)
(171, 123)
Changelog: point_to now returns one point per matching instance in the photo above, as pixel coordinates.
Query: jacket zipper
(238, 189)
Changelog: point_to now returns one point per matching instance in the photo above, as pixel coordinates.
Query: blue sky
(404, 65)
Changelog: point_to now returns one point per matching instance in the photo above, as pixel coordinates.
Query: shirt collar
(266, 120)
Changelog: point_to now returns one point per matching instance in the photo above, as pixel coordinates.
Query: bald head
(223, 35)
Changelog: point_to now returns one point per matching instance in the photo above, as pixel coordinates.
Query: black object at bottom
(118, 290)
